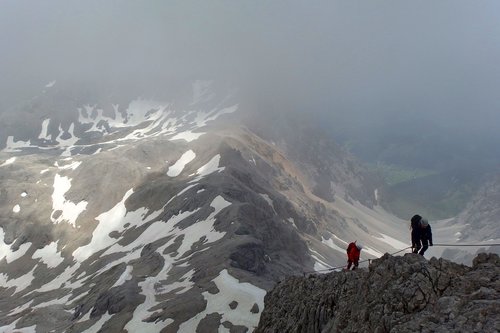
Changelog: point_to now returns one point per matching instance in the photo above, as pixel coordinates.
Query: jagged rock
(396, 294)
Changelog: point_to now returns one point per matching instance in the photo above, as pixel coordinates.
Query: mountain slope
(171, 217)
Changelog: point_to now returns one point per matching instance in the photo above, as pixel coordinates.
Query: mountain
(174, 214)
(396, 294)
(477, 224)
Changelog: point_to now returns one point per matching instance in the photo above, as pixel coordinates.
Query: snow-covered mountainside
(169, 216)
(477, 224)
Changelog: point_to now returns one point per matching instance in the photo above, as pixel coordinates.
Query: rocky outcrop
(396, 294)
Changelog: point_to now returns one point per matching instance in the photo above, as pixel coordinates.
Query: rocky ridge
(396, 294)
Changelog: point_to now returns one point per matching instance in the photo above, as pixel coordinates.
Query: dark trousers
(350, 263)
(415, 243)
(425, 246)
(419, 245)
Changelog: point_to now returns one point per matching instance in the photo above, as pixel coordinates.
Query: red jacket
(353, 252)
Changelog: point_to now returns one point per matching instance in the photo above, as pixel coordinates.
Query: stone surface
(396, 294)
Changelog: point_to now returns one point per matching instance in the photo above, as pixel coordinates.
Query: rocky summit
(395, 294)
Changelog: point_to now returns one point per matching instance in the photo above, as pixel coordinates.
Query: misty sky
(432, 60)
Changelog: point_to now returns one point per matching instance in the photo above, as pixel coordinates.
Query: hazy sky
(430, 59)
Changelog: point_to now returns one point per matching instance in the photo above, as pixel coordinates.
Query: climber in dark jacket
(415, 233)
(425, 235)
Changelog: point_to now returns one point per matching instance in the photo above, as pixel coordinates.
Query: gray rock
(396, 294)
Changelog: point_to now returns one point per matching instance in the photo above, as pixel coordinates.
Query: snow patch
(12, 146)
(109, 221)
(126, 275)
(230, 289)
(50, 84)
(269, 201)
(12, 328)
(371, 251)
(69, 211)
(204, 228)
(178, 166)
(57, 301)
(9, 161)
(187, 136)
(44, 134)
(319, 264)
(7, 253)
(63, 278)
(71, 166)
(19, 284)
(20, 309)
(49, 255)
(16, 209)
(329, 242)
(210, 167)
(291, 220)
(98, 324)
(392, 242)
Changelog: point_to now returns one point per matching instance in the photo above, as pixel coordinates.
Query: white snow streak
(12, 146)
(12, 328)
(124, 277)
(393, 242)
(69, 210)
(187, 136)
(371, 251)
(50, 84)
(49, 255)
(9, 161)
(210, 167)
(329, 242)
(230, 289)
(19, 284)
(44, 134)
(178, 166)
(7, 253)
(71, 166)
(108, 222)
(98, 324)
(20, 309)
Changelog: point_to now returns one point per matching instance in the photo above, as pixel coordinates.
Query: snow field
(175, 169)
(230, 289)
(69, 210)
(49, 255)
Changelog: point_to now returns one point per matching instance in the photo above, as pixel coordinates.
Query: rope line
(406, 248)
(495, 244)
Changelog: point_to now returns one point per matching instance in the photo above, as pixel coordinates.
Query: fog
(366, 67)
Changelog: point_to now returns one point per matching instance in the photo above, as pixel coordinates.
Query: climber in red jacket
(353, 252)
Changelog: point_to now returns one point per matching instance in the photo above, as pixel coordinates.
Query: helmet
(424, 222)
(359, 246)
